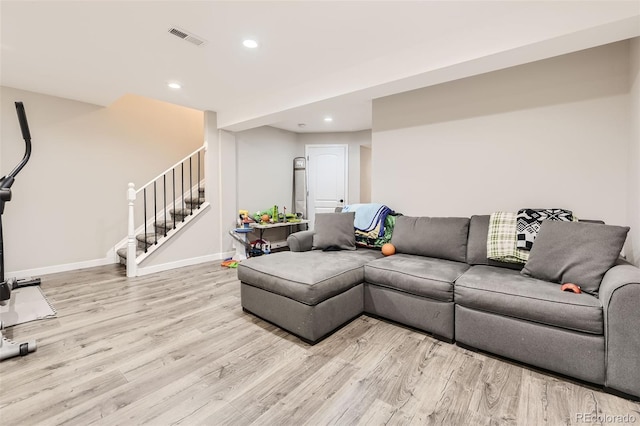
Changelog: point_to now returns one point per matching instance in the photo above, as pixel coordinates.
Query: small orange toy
(571, 287)
(388, 249)
(265, 218)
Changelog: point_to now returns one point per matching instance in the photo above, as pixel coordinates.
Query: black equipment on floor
(8, 348)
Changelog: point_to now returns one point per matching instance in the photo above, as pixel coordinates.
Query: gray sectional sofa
(440, 281)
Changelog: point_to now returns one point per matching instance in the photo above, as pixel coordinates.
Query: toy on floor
(241, 244)
(230, 263)
(262, 246)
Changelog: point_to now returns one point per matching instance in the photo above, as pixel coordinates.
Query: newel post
(131, 234)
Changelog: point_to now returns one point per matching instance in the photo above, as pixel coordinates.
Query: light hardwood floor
(176, 348)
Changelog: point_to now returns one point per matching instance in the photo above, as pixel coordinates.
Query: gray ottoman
(309, 294)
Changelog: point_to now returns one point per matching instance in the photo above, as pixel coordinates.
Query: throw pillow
(574, 252)
(334, 231)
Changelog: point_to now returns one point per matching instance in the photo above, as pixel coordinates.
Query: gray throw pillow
(441, 237)
(334, 231)
(573, 252)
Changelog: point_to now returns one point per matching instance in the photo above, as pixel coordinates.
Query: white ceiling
(316, 58)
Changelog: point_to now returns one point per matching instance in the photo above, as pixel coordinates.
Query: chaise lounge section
(309, 293)
(440, 281)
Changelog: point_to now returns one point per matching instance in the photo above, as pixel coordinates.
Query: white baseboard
(181, 263)
(110, 260)
(60, 268)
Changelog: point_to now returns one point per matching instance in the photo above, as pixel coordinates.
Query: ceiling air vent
(185, 35)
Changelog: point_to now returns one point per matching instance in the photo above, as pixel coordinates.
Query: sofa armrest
(300, 241)
(620, 297)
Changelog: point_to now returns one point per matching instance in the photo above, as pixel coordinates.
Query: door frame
(346, 168)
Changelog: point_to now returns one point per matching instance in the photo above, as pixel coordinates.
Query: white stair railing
(170, 190)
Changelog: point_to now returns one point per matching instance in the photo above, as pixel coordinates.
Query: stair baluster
(131, 232)
(146, 245)
(173, 216)
(164, 203)
(155, 213)
(182, 179)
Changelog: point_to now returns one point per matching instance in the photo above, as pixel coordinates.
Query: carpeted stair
(164, 226)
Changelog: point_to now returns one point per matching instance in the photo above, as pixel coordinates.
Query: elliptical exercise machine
(8, 348)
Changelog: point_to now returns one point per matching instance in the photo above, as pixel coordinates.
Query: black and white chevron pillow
(529, 220)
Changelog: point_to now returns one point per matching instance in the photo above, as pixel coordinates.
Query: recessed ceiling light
(174, 85)
(328, 119)
(251, 44)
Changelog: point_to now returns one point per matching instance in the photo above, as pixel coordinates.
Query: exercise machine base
(10, 349)
(25, 282)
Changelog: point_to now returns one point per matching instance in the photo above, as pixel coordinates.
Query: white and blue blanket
(369, 216)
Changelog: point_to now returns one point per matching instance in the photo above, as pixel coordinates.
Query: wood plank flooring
(176, 348)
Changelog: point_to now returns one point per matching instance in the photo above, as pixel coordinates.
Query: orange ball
(265, 218)
(388, 249)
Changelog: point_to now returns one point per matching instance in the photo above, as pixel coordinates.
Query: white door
(327, 178)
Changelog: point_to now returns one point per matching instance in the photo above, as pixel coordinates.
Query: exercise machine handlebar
(8, 180)
(22, 118)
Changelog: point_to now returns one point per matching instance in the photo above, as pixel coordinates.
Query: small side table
(288, 225)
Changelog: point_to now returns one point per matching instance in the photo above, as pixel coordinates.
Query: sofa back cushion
(440, 237)
(477, 244)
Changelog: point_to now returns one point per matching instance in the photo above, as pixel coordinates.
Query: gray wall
(554, 133)
(265, 163)
(69, 204)
(365, 174)
(265, 167)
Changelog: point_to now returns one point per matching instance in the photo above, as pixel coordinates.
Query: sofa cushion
(308, 277)
(417, 275)
(506, 292)
(334, 231)
(477, 244)
(579, 253)
(441, 237)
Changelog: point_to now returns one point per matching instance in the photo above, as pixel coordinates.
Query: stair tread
(181, 212)
(165, 223)
(149, 237)
(123, 252)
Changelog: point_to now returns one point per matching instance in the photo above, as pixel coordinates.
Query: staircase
(161, 207)
(163, 227)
